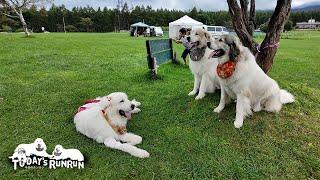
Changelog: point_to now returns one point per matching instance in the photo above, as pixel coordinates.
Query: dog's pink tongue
(213, 53)
(128, 115)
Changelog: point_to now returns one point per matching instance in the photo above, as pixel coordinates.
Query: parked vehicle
(216, 31)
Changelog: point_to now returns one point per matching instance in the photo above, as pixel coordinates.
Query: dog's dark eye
(121, 101)
(196, 34)
(220, 40)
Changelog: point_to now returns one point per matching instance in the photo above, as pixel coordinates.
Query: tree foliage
(105, 20)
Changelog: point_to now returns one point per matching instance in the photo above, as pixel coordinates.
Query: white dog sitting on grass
(104, 119)
(242, 79)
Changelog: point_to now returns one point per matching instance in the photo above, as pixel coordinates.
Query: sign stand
(154, 70)
(159, 51)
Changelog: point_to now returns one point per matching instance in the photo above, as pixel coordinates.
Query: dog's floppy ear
(234, 50)
(207, 35)
(106, 101)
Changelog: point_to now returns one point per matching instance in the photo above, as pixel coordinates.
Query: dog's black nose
(132, 106)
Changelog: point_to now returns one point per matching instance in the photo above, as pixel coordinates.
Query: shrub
(288, 26)
(165, 28)
(264, 27)
(19, 30)
(60, 28)
(71, 28)
(6, 28)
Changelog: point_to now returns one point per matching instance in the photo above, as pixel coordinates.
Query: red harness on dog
(82, 108)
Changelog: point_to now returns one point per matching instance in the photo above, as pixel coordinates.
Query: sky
(210, 5)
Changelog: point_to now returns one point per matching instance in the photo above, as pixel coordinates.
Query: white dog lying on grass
(60, 153)
(37, 148)
(104, 119)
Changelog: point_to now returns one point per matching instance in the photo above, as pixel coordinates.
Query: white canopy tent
(184, 22)
(138, 28)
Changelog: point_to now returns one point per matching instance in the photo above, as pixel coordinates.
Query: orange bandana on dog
(226, 69)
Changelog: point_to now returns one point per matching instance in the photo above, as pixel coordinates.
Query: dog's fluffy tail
(286, 97)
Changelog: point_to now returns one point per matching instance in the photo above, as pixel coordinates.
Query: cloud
(210, 5)
(296, 3)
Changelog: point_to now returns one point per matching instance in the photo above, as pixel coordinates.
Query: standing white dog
(242, 79)
(203, 68)
(104, 119)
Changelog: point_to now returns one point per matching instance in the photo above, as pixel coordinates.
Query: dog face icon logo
(20, 154)
(40, 145)
(57, 150)
(21, 151)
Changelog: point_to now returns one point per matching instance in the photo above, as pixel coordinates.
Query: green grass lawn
(44, 79)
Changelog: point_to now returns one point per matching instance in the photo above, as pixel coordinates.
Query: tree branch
(240, 26)
(244, 8)
(252, 16)
(11, 16)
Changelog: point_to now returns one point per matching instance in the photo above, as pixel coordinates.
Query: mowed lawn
(44, 79)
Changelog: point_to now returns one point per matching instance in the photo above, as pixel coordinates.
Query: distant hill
(315, 6)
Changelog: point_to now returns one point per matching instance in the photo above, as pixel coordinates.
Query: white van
(216, 31)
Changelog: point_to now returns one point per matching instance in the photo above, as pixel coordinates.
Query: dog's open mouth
(39, 148)
(217, 53)
(125, 114)
(57, 153)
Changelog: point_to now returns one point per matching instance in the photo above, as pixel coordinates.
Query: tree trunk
(275, 28)
(244, 24)
(24, 24)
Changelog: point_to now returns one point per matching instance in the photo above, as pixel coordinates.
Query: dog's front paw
(135, 110)
(200, 96)
(142, 153)
(192, 93)
(110, 142)
(218, 109)
(136, 140)
(136, 103)
(256, 108)
(238, 124)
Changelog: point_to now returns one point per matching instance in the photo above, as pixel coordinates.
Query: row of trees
(88, 19)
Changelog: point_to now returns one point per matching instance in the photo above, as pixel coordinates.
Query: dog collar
(118, 129)
(226, 69)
